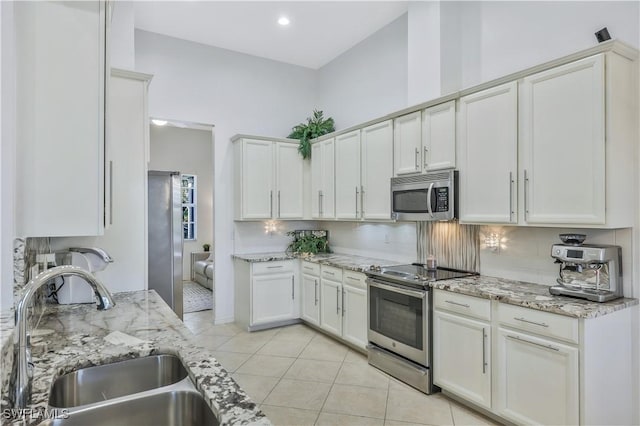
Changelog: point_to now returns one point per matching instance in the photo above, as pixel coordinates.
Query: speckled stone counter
(73, 337)
(345, 261)
(529, 295)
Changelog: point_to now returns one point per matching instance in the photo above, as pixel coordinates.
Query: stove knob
(557, 251)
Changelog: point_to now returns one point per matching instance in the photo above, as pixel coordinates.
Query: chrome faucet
(23, 367)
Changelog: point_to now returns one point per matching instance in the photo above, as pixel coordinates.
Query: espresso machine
(588, 271)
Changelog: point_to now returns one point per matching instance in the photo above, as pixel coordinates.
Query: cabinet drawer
(354, 279)
(273, 267)
(331, 273)
(539, 322)
(310, 268)
(467, 305)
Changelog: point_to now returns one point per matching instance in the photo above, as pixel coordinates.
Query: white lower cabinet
(266, 293)
(537, 380)
(310, 309)
(343, 304)
(461, 354)
(533, 367)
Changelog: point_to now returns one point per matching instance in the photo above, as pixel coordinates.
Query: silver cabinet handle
(464, 305)
(553, 348)
(293, 288)
(337, 297)
(526, 193)
(278, 203)
(271, 203)
(320, 201)
(308, 268)
(315, 288)
(353, 279)
(343, 309)
(424, 160)
(541, 324)
(329, 273)
(417, 156)
(274, 267)
(484, 358)
(361, 201)
(357, 192)
(510, 196)
(110, 192)
(429, 199)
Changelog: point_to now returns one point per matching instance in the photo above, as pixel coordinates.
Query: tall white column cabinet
(377, 170)
(348, 184)
(323, 179)
(60, 118)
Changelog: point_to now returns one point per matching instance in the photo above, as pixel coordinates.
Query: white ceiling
(319, 30)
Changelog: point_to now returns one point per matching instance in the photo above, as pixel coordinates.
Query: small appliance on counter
(587, 271)
(73, 289)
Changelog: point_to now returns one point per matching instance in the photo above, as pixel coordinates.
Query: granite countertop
(529, 295)
(73, 337)
(338, 260)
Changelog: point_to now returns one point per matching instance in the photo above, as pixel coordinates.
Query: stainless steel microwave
(430, 196)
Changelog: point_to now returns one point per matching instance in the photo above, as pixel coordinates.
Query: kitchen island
(70, 337)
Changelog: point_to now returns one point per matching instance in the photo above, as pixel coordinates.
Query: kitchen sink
(94, 384)
(183, 408)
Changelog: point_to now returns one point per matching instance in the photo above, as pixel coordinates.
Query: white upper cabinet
(563, 144)
(270, 176)
(257, 179)
(348, 187)
(407, 144)
(487, 144)
(439, 137)
(60, 92)
(323, 179)
(377, 170)
(289, 182)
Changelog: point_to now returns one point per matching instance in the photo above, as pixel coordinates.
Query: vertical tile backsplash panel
(453, 245)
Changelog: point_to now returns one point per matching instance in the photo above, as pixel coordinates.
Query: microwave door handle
(429, 199)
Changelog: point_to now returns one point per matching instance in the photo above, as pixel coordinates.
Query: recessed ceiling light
(284, 21)
(159, 122)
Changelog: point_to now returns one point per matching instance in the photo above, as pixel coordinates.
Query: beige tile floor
(302, 377)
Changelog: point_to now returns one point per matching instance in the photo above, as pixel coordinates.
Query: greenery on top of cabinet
(315, 127)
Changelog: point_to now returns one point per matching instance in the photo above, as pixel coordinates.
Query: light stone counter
(73, 337)
(529, 295)
(338, 260)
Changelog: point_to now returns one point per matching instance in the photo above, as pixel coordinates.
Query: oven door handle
(429, 208)
(395, 289)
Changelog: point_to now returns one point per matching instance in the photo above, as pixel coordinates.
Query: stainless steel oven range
(399, 316)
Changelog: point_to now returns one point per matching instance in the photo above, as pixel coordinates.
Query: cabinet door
(328, 196)
(257, 179)
(273, 298)
(407, 144)
(330, 306)
(316, 179)
(289, 179)
(439, 137)
(311, 299)
(348, 199)
(354, 315)
(488, 140)
(377, 170)
(537, 380)
(563, 144)
(60, 98)
(461, 357)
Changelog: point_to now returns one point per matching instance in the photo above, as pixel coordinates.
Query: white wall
(498, 38)
(389, 241)
(188, 151)
(122, 35)
(367, 81)
(7, 153)
(235, 92)
(252, 237)
(423, 51)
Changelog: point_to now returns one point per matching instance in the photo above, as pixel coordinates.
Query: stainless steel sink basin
(103, 382)
(184, 408)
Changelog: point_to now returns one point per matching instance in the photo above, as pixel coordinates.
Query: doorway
(187, 148)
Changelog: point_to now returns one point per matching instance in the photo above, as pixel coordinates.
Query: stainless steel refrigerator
(165, 237)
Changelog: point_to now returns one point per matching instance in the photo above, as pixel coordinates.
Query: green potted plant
(307, 244)
(206, 247)
(315, 127)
